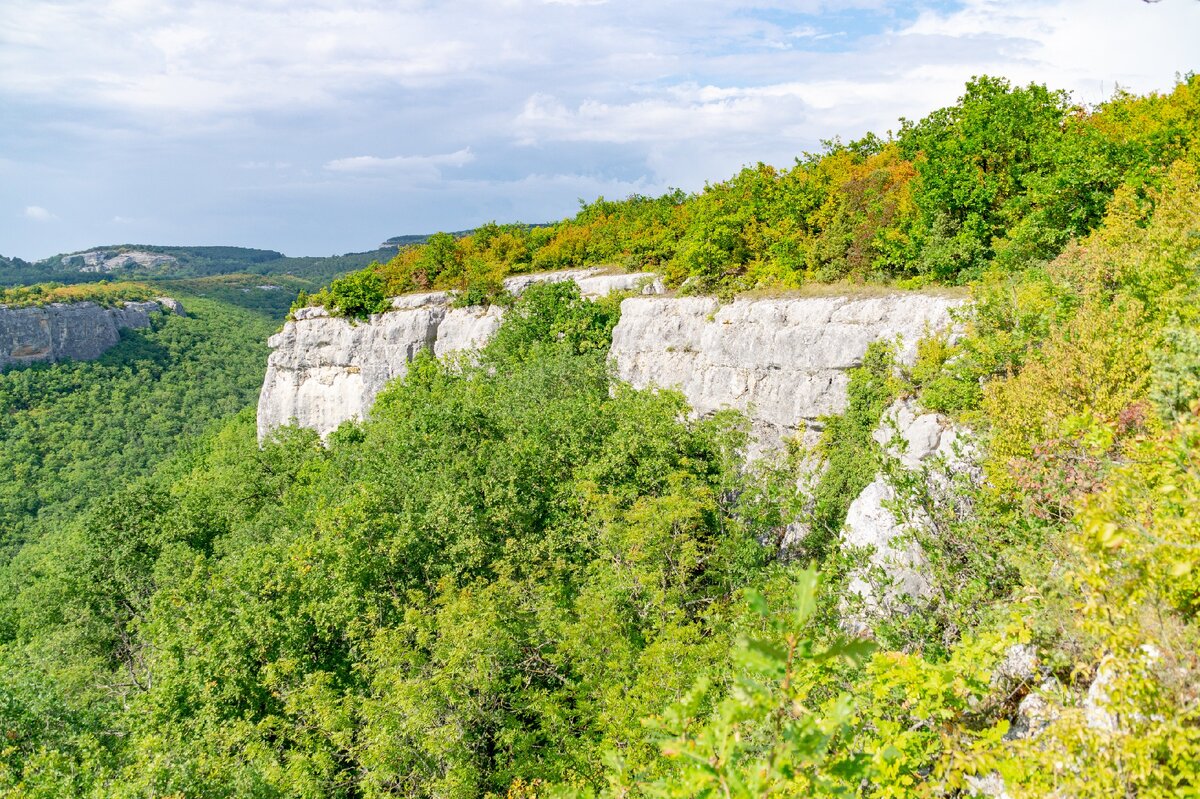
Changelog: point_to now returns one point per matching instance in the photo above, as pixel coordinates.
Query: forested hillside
(184, 262)
(75, 431)
(519, 578)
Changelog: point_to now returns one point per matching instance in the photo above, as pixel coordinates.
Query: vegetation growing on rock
(1006, 176)
(103, 293)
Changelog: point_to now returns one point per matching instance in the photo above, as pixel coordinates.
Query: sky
(317, 127)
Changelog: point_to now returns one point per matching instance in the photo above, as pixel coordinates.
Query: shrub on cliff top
(358, 295)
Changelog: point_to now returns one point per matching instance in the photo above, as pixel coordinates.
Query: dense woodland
(72, 432)
(518, 579)
(106, 293)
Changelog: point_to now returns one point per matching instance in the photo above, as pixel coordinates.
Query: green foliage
(495, 577)
(554, 314)
(358, 295)
(273, 296)
(1175, 380)
(975, 164)
(773, 734)
(495, 584)
(851, 456)
(103, 293)
(70, 432)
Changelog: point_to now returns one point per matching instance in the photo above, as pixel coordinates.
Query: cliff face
(80, 331)
(783, 361)
(324, 370)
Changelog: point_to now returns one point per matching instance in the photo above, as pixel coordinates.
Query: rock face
(871, 523)
(784, 361)
(895, 570)
(324, 370)
(80, 331)
(108, 260)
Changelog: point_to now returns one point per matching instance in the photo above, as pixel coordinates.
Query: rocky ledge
(783, 361)
(324, 369)
(79, 331)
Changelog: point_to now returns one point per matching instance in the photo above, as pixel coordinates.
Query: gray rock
(783, 361)
(171, 304)
(325, 370)
(80, 331)
(1018, 668)
(990, 786)
(871, 523)
(108, 260)
(920, 442)
(1035, 712)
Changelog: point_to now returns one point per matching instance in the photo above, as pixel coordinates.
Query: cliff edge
(783, 361)
(79, 331)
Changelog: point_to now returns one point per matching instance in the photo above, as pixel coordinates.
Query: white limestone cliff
(79, 331)
(785, 362)
(324, 370)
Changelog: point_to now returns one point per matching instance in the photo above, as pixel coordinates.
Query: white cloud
(248, 103)
(1081, 45)
(38, 214)
(428, 166)
(678, 114)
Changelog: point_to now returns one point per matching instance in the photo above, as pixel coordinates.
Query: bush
(358, 295)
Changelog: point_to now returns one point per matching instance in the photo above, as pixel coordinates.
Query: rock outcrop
(324, 370)
(895, 570)
(79, 331)
(109, 260)
(783, 361)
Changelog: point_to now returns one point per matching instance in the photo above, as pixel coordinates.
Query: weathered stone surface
(325, 370)
(784, 361)
(172, 305)
(466, 329)
(871, 523)
(1017, 669)
(917, 440)
(108, 260)
(914, 437)
(1036, 711)
(80, 331)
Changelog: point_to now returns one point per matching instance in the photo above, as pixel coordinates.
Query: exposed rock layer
(783, 361)
(324, 370)
(887, 525)
(80, 331)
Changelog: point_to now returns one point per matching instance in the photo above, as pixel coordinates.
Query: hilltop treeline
(1005, 175)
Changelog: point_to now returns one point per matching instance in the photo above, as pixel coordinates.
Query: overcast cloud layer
(318, 127)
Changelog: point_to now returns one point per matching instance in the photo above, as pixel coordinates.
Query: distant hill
(150, 261)
(421, 238)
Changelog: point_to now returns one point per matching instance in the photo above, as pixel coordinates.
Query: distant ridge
(420, 238)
